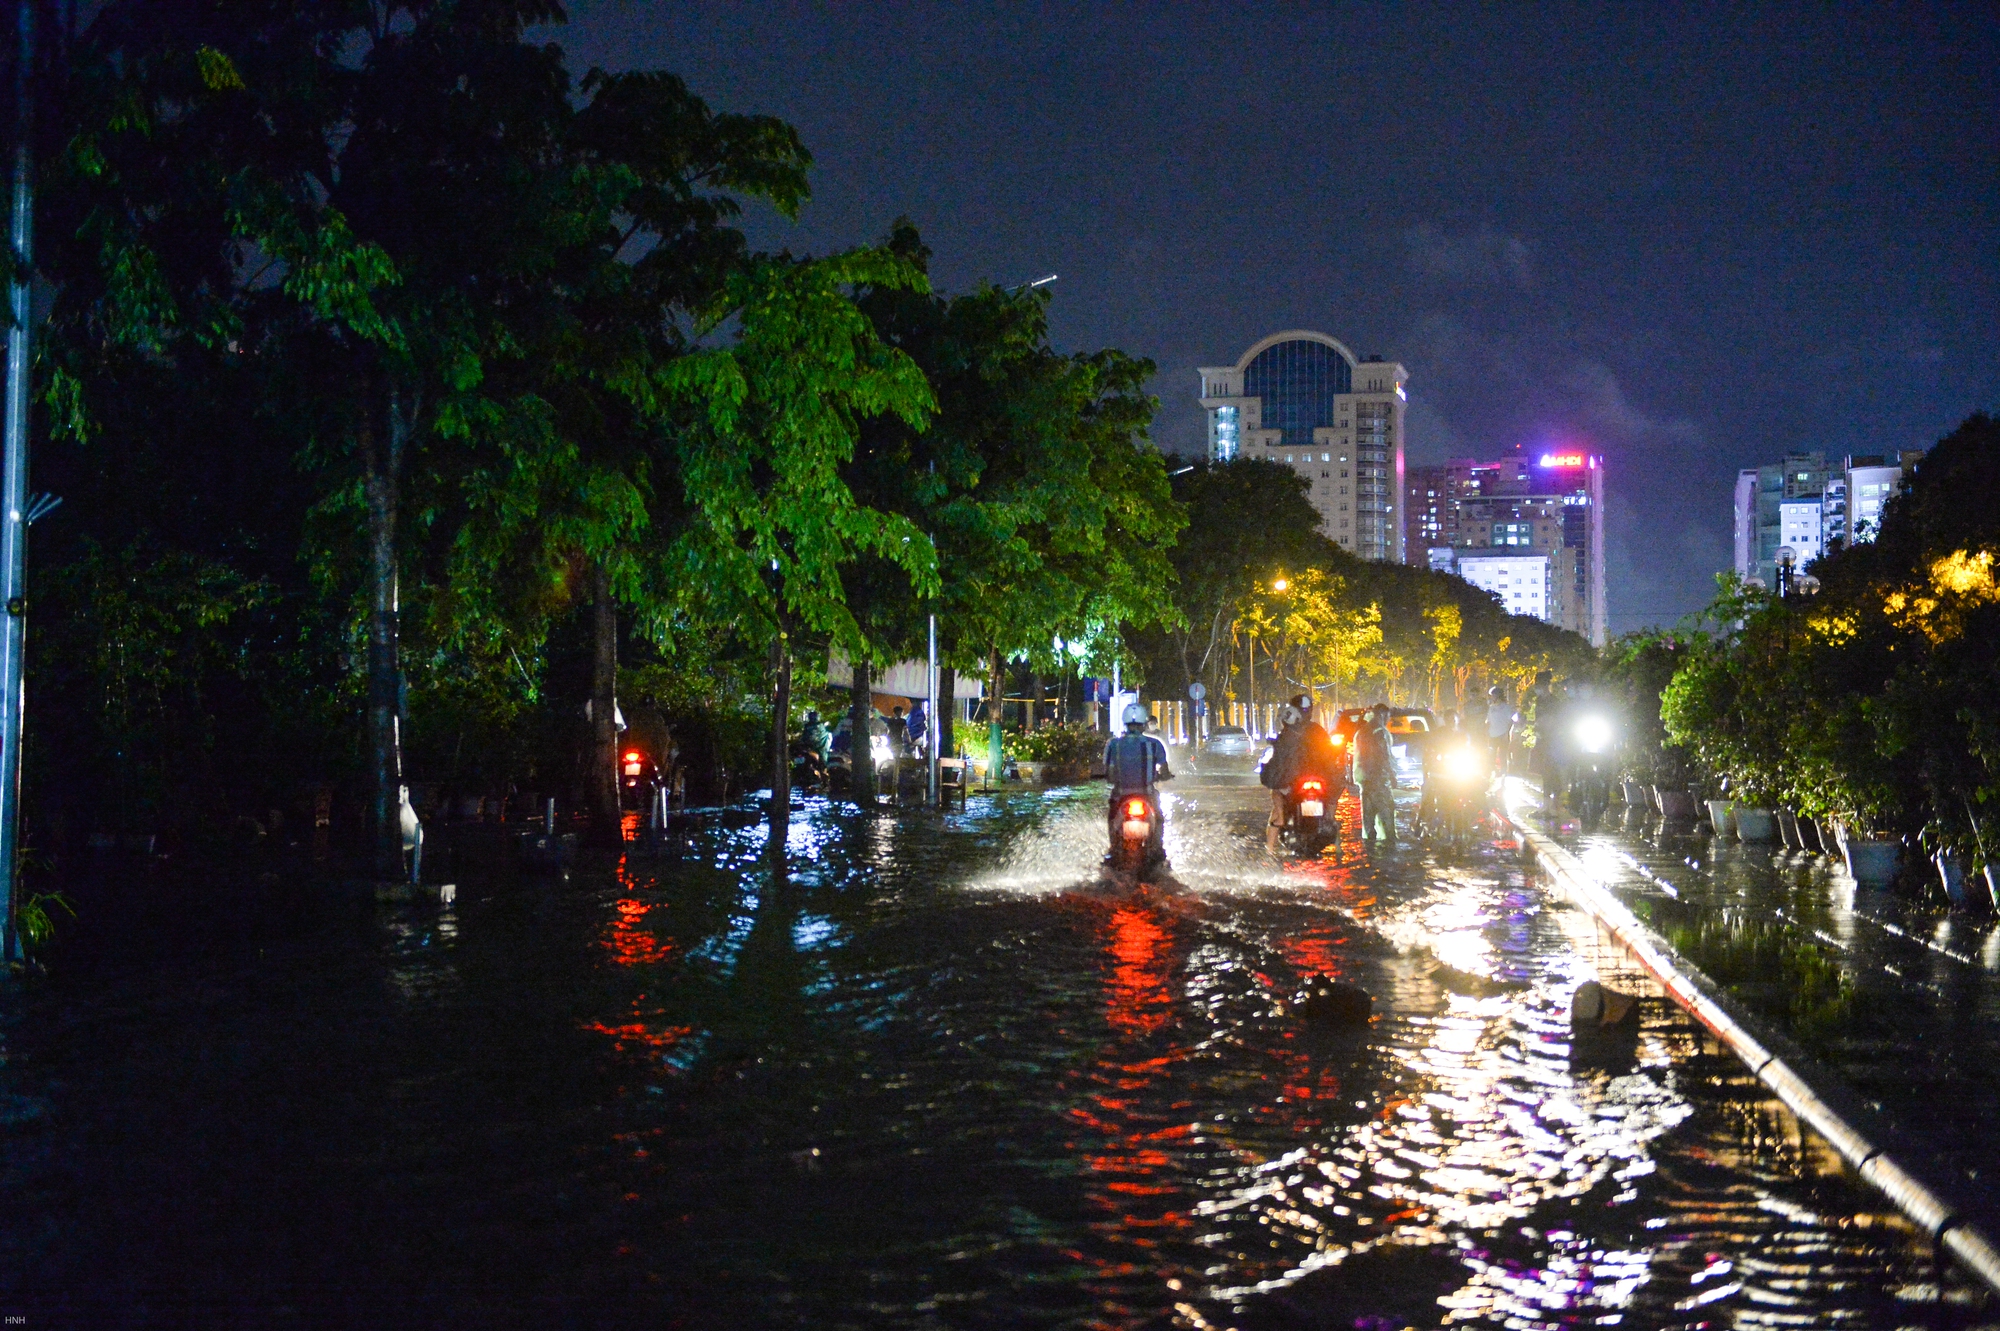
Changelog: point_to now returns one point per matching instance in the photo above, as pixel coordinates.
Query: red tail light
(1339, 740)
(632, 757)
(1311, 787)
(1135, 808)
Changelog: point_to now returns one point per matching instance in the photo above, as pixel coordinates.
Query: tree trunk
(996, 713)
(781, 749)
(385, 757)
(1038, 691)
(947, 706)
(861, 713)
(606, 816)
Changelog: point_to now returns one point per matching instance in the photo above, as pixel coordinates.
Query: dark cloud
(1483, 258)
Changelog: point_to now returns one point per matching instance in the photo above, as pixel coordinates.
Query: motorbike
(1590, 780)
(1456, 806)
(809, 773)
(1136, 826)
(1309, 820)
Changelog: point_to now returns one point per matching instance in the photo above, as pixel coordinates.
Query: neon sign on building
(1564, 459)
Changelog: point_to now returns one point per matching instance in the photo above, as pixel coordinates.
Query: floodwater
(945, 1076)
(1902, 994)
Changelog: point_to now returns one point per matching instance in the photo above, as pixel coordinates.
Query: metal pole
(933, 730)
(14, 483)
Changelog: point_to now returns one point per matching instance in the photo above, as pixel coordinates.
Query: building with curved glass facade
(1302, 399)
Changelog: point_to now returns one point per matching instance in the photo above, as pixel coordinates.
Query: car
(1409, 730)
(1229, 742)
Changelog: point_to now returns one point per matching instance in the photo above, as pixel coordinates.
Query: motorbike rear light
(632, 757)
(1311, 787)
(1135, 808)
(1339, 740)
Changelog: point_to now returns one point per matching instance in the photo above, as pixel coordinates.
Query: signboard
(1564, 459)
(1197, 690)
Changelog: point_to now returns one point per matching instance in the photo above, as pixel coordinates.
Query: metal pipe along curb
(1875, 1165)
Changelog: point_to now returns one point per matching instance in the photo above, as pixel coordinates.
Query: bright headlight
(1593, 734)
(1463, 764)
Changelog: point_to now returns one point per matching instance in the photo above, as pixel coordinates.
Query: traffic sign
(1197, 690)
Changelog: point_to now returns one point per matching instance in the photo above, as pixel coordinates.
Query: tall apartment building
(1763, 495)
(1464, 514)
(1302, 399)
(1803, 507)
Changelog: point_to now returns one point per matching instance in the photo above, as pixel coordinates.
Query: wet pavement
(1898, 995)
(947, 1075)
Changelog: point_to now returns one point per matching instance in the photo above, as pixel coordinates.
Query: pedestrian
(1374, 764)
(1501, 719)
(919, 729)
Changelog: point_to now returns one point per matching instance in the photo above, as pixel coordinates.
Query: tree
(776, 417)
(587, 505)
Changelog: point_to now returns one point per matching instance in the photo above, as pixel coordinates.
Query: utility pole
(932, 726)
(14, 481)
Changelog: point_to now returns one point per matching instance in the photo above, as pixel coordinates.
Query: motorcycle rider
(1302, 749)
(815, 746)
(1374, 768)
(1135, 763)
(1281, 769)
(1438, 746)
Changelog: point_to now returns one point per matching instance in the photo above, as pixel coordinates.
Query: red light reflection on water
(628, 941)
(640, 1035)
(1137, 999)
(1139, 1121)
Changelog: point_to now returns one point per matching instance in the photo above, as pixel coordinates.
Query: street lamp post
(14, 517)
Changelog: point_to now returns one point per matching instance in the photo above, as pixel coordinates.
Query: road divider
(1820, 1099)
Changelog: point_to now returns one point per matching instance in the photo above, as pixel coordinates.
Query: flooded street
(946, 1076)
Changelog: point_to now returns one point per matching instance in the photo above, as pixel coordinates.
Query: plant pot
(1676, 806)
(1809, 838)
(1718, 817)
(1756, 825)
(1636, 796)
(1957, 887)
(1829, 837)
(1031, 771)
(1788, 830)
(1872, 864)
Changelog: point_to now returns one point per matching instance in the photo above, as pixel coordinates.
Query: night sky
(1689, 238)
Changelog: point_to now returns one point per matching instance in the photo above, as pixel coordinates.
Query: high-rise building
(1302, 399)
(1463, 511)
(1809, 507)
(1763, 497)
(1870, 481)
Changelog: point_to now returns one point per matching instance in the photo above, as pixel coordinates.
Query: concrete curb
(1793, 1086)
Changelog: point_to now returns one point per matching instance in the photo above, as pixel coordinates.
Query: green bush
(1073, 745)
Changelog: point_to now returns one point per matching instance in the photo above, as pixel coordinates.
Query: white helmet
(1291, 716)
(1137, 715)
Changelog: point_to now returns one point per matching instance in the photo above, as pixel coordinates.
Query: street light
(1279, 584)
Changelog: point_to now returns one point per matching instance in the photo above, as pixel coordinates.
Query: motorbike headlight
(1463, 764)
(1593, 734)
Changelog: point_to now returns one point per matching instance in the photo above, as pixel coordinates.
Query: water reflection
(942, 1074)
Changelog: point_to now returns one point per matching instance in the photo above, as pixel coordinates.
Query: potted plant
(1871, 860)
(1720, 817)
